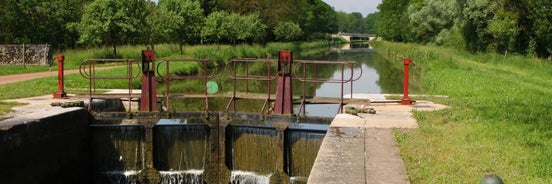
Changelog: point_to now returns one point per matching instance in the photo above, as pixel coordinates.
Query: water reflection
(379, 76)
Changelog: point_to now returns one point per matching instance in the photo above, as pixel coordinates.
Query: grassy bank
(74, 57)
(499, 121)
(75, 83)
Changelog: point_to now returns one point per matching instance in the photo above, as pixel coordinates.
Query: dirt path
(29, 76)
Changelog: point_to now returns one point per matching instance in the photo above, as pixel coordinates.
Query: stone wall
(25, 54)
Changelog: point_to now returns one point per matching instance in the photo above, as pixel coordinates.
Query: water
(117, 153)
(178, 177)
(253, 149)
(182, 150)
(379, 76)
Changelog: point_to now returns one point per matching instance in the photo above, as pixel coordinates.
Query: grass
(76, 84)
(6, 107)
(499, 121)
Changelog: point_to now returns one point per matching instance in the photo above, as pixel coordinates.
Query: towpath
(6, 79)
(362, 148)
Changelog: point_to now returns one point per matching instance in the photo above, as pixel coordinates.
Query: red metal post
(405, 99)
(148, 102)
(60, 93)
(283, 104)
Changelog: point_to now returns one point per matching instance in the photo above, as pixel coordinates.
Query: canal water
(252, 148)
(378, 76)
(375, 76)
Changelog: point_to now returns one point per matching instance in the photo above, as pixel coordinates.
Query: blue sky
(363, 6)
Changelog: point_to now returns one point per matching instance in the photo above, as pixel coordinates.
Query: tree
(288, 31)
(503, 28)
(22, 20)
(392, 20)
(188, 24)
(110, 22)
(161, 23)
(370, 23)
(216, 27)
(433, 20)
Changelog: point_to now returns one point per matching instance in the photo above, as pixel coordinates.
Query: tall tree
(161, 23)
(22, 20)
(288, 31)
(433, 20)
(111, 22)
(392, 20)
(191, 16)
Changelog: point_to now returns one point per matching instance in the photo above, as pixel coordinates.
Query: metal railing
(305, 71)
(88, 69)
(304, 64)
(235, 76)
(209, 72)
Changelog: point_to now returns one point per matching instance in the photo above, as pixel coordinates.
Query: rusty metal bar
(206, 75)
(247, 76)
(87, 69)
(304, 63)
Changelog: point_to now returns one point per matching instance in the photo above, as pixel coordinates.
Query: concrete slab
(35, 108)
(365, 142)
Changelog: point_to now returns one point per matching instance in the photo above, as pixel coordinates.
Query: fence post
(60, 93)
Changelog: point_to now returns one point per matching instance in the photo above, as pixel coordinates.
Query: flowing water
(255, 150)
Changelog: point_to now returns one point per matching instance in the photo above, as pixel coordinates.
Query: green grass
(6, 107)
(75, 83)
(499, 121)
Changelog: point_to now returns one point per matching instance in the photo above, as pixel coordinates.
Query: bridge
(352, 37)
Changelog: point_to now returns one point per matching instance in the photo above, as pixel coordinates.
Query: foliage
(86, 23)
(501, 26)
(109, 22)
(391, 20)
(495, 122)
(287, 31)
(187, 21)
(232, 27)
(22, 20)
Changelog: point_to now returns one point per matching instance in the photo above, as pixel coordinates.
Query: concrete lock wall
(52, 149)
(25, 54)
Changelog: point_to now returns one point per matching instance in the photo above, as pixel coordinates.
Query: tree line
(503, 26)
(85, 23)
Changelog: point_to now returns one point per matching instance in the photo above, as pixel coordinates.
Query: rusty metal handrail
(235, 76)
(303, 65)
(168, 77)
(87, 69)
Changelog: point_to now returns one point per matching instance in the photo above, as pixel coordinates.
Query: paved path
(362, 149)
(6, 79)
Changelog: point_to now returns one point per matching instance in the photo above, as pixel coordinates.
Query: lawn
(500, 120)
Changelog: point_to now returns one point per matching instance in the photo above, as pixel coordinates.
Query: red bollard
(60, 93)
(405, 99)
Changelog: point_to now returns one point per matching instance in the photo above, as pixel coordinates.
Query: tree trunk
(114, 50)
(181, 47)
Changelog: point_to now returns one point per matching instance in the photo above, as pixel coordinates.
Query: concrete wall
(25, 54)
(52, 149)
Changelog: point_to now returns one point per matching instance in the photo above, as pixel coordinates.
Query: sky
(349, 6)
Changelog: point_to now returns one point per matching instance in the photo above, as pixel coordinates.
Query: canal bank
(362, 149)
